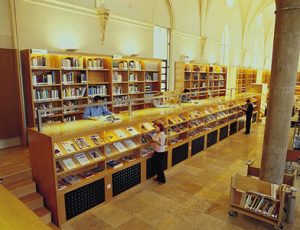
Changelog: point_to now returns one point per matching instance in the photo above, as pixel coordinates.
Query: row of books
(195, 123)
(70, 118)
(195, 132)
(195, 114)
(120, 101)
(195, 68)
(38, 61)
(97, 90)
(118, 90)
(134, 89)
(81, 160)
(222, 115)
(69, 78)
(44, 79)
(72, 179)
(151, 77)
(72, 62)
(260, 204)
(125, 65)
(176, 129)
(73, 92)
(210, 118)
(95, 63)
(44, 94)
(132, 77)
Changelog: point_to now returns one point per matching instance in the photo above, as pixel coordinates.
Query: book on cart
(86, 174)
(120, 146)
(119, 133)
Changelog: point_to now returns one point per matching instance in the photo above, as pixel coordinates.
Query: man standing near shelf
(249, 112)
(96, 111)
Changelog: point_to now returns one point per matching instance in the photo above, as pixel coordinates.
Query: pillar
(285, 59)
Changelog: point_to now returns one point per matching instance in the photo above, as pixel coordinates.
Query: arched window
(225, 48)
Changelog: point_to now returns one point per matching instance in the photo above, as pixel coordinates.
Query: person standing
(249, 112)
(159, 150)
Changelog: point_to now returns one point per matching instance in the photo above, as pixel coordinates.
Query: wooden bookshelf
(244, 78)
(258, 199)
(63, 79)
(189, 129)
(266, 77)
(200, 77)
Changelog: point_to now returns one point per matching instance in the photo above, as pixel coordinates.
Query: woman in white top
(159, 150)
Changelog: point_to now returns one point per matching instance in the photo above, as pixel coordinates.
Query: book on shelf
(120, 146)
(69, 146)
(73, 92)
(119, 133)
(44, 95)
(82, 158)
(147, 150)
(130, 143)
(59, 167)
(57, 151)
(72, 62)
(132, 77)
(114, 164)
(108, 150)
(128, 158)
(71, 179)
(68, 78)
(132, 130)
(117, 77)
(82, 143)
(95, 154)
(85, 174)
(69, 163)
(97, 169)
(38, 61)
(147, 126)
(151, 66)
(95, 63)
(43, 79)
(97, 90)
(96, 139)
(60, 185)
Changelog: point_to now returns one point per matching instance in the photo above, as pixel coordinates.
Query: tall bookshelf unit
(201, 77)
(244, 78)
(63, 79)
(83, 166)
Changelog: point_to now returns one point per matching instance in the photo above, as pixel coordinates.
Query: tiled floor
(195, 196)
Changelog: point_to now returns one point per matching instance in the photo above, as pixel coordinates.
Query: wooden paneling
(10, 109)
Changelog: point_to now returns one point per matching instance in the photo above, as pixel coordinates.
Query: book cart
(258, 199)
(83, 164)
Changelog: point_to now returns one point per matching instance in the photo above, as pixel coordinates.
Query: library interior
(149, 114)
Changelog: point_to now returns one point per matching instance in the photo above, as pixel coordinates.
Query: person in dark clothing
(249, 112)
(159, 151)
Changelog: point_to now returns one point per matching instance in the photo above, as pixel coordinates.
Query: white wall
(5, 25)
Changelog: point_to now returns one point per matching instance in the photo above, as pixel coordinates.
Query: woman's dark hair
(161, 127)
(248, 100)
(186, 91)
(97, 98)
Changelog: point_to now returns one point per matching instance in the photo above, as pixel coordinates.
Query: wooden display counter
(83, 164)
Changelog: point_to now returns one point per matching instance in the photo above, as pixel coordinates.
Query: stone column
(285, 59)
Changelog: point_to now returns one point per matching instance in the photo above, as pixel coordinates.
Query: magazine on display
(96, 139)
(81, 158)
(82, 143)
(69, 146)
(69, 163)
(57, 151)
